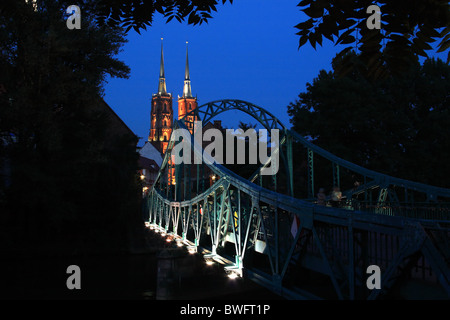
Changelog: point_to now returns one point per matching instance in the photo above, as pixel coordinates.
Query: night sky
(248, 51)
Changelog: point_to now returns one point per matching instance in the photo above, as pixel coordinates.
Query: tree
(245, 126)
(408, 30)
(139, 14)
(396, 126)
(71, 184)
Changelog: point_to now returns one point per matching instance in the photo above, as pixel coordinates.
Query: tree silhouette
(137, 14)
(245, 126)
(72, 182)
(397, 125)
(408, 30)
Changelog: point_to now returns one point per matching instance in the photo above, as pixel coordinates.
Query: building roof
(150, 152)
(149, 164)
(187, 91)
(117, 122)
(162, 79)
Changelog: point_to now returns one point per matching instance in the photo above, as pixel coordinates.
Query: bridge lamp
(232, 275)
(142, 177)
(192, 250)
(209, 262)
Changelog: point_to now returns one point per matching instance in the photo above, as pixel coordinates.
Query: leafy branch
(408, 30)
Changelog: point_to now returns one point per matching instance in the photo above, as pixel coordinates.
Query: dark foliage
(408, 30)
(399, 125)
(73, 185)
(138, 14)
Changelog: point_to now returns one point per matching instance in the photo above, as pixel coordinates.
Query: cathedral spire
(187, 91)
(162, 80)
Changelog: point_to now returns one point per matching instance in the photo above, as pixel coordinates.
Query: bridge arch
(208, 111)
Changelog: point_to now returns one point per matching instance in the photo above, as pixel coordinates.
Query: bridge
(270, 229)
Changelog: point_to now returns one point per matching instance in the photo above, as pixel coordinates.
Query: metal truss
(294, 247)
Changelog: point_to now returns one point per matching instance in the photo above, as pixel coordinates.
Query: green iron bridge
(403, 227)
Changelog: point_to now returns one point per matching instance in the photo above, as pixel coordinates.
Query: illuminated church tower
(161, 117)
(187, 102)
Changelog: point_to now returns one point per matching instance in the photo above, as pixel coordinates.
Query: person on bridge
(321, 197)
(336, 197)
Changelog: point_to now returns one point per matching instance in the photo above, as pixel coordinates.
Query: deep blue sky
(248, 51)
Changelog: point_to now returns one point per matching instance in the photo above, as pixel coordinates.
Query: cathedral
(161, 115)
(161, 122)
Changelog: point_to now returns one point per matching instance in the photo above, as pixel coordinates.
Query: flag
(295, 225)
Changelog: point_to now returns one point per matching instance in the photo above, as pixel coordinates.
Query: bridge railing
(439, 211)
